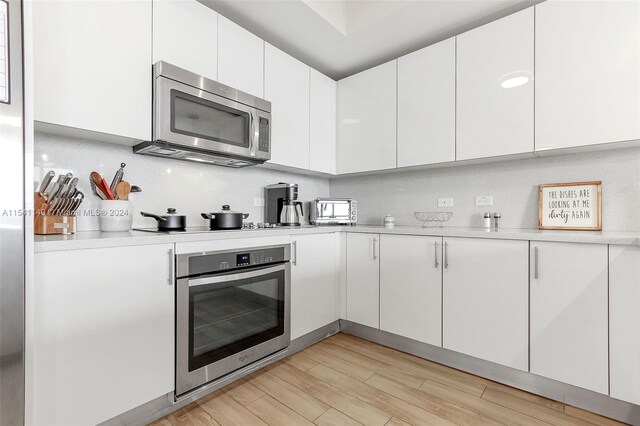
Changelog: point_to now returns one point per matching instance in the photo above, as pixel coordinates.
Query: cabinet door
(286, 85)
(624, 322)
(313, 283)
(240, 58)
(587, 68)
(102, 332)
(363, 279)
(569, 337)
(185, 34)
(322, 133)
(485, 299)
(411, 287)
(495, 88)
(427, 105)
(367, 120)
(91, 66)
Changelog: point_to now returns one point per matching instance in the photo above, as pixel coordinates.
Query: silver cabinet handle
(535, 263)
(295, 252)
(374, 248)
(446, 258)
(172, 269)
(225, 279)
(435, 252)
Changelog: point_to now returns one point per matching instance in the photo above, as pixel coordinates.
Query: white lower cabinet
(485, 299)
(313, 282)
(101, 326)
(624, 322)
(363, 279)
(569, 317)
(411, 287)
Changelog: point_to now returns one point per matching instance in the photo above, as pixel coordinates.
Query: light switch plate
(484, 200)
(445, 202)
(258, 202)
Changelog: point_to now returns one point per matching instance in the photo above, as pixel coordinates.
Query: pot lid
(172, 212)
(226, 209)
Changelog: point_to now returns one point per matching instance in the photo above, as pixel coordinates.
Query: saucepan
(225, 218)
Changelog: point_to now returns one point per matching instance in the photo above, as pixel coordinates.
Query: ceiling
(343, 37)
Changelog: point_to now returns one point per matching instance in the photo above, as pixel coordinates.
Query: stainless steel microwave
(198, 119)
(333, 211)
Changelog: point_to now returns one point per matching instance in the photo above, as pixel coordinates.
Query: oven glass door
(233, 312)
(201, 118)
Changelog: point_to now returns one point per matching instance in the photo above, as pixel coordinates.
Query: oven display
(243, 259)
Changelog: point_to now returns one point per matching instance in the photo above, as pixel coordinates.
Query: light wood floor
(345, 380)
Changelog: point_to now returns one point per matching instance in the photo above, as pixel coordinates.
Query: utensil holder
(44, 224)
(115, 216)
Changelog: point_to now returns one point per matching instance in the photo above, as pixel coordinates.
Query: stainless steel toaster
(333, 211)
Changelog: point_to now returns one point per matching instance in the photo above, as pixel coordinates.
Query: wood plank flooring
(345, 380)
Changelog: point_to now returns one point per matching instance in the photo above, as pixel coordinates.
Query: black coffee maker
(281, 204)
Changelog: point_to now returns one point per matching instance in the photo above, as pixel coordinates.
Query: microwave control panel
(263, 141)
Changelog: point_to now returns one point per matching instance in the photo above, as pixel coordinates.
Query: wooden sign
(570, 206)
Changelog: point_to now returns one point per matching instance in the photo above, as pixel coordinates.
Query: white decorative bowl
(433, 219)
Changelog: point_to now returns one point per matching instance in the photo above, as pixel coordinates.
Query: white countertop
(97, 239)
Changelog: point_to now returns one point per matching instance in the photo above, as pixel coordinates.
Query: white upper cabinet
(495, 88)
(587, 72)
(286, 86)
(363, 279)
(624, 322)
(91, 66)
(427, 105)
(569, 321)
(485, 303)
(185, 34)
(240, 58)
(367, 120)
(322, 131)
(411, 287)
(313, 283)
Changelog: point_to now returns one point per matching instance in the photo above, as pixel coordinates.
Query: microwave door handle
(255, 132)
(226, 278)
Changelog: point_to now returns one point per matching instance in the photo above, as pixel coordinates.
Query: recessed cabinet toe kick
(232, 308)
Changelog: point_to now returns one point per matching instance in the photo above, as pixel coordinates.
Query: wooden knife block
(44, 224)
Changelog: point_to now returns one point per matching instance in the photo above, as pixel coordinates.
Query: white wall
(513, 185)
(190, 187)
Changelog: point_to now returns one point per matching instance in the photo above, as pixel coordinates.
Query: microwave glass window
(200, 118)
(228, 318)
(334, 210)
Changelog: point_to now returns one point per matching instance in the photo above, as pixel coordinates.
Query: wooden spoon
(122, 190)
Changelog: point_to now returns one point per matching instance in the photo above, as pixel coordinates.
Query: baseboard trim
(552, 389)
(166, 404)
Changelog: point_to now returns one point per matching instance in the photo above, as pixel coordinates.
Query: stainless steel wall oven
(233, 308)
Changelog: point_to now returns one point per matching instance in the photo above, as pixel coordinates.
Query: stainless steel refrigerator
(12, 218)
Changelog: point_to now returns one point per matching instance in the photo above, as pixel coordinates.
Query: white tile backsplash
(189, 187)
(512, 183)
(192, 187)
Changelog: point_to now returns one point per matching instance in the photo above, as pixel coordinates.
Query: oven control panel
(205, 263)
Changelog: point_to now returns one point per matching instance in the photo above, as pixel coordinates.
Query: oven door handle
(217, 279)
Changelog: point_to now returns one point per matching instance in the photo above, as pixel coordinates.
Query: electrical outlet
(445, 202)
(484, 200)
(258, 202)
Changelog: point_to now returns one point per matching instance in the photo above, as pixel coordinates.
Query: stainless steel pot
(169, 222)
(225, 219)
